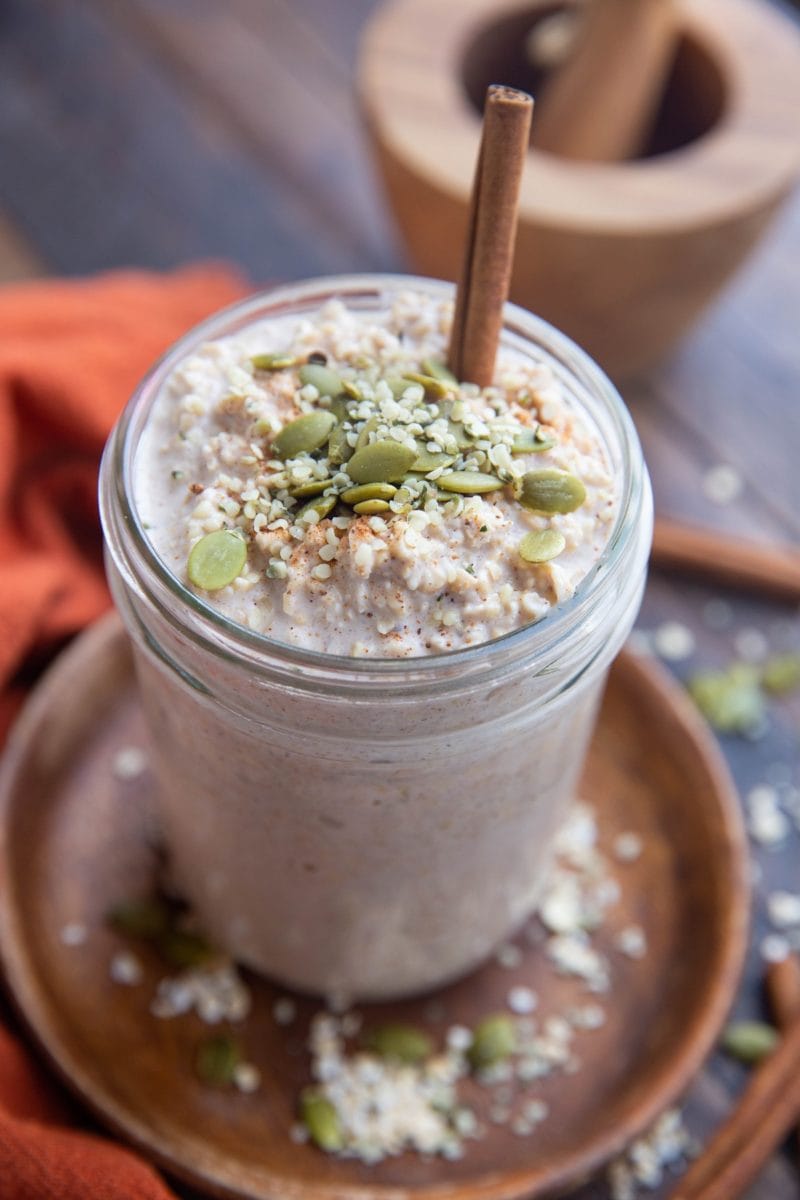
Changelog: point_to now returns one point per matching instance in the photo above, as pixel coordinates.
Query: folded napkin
(70, 355)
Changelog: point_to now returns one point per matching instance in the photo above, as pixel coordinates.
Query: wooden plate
(74, 840)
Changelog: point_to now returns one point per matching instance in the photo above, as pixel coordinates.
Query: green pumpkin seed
(731, 700)
(217, 559)
(463, 440)
(396, 385)
(147, 918)
(400, 1043)
(493, 1041)
(313, 488)
(352, 389)
(551, 492)
(181, 948)
(339, 449)
(427, 460)
(321, 505)
(369, 491)
(437, 370)
(273, 362)
(469, 483)
(371, 508)
(532, 441)
(304, 435)
(321, 1120)
(369, 426)
(217, 1059)
(749, 1041)
(327, 381)
(380, 462)
(339, 406)
(781, 673)
(433, 387)
(542, 545)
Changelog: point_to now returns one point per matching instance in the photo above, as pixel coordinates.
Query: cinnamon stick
(768, 1108)
(773, 570)
(783, 994)
(489, 252)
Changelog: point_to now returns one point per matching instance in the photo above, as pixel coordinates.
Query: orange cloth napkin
(70, 355)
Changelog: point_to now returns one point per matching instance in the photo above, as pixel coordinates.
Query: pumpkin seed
(551, 492)
(273, 362)
(532, 441)
(428, 460)
(437, 370)
(321, 1120)
(339, 406)
(493, 1041)
(147, 918)
(368, 491)
(321, 505)
(749, 1041)
(542, 545)
(369, 426)
(400, 1043)
(339, 449)
(217, 559)
(463, 440)
(182, 948)
(313, 488)
(396, 385)
(469, 483)
(730, 700)
(781, 673)
(352, 389)
(305, 434)
(327, 381)
(217, 1059)
(433, 387)
(380, 462)
(370, 508)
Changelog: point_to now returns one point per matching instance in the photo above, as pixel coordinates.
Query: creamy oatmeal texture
(432, 569)
(375, 824)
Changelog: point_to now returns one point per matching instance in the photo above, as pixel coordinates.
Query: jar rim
(223, 636)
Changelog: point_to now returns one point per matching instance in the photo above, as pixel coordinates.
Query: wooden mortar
(621, 256)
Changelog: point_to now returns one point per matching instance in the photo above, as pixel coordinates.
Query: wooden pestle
(601, 104)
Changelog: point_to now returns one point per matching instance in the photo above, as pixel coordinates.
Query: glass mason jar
(368, 827)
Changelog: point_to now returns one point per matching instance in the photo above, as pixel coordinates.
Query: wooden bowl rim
(410, 85)
(25, 987)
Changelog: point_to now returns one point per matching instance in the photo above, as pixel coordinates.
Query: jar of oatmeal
(366, 737)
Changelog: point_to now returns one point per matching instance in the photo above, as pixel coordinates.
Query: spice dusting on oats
(328, 483)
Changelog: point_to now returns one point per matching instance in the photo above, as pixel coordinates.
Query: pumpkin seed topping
(327, 381)
(321, 1120)
(749, 1041)
(273, 362)
(435, 369)
(400, 1043)
(371, 508)
(542, 545)
(369, 491)
(380, 462)
(551, 491)
(217, 1059)
(217, 559)
(532, 441)
(305, 434)
(469, 483)
(493, 1041)
(433, 386)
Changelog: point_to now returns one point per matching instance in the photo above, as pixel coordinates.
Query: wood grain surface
(153, 131)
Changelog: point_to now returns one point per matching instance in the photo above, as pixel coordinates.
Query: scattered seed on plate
(628, 847)
(126, 968)
(129, 763)
(284, 1011)
(775, 948)
(74, 933)
(722, 484)
(522, 1000)
(674, 641)
(631, 941)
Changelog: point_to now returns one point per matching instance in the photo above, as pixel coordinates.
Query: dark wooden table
(156, 131)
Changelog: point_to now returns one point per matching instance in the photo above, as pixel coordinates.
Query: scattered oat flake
(628, 847)
(284, 1011)
(509, 956)
(766, 823)
(722, 484)
(674, 641)
(129, 763)
(632, 942)
(125, 968)
(74, 933)
(522, 1000)
(784, 909)
(246, 1077)
(666, 1146)
(775, 948)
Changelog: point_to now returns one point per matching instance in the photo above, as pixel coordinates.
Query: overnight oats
(372, 610)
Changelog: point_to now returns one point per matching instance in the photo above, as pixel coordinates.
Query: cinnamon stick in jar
(491, 232)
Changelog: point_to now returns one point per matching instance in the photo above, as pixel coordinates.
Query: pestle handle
(602, 102)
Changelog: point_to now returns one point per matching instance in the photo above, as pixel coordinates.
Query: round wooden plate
(74, 840)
